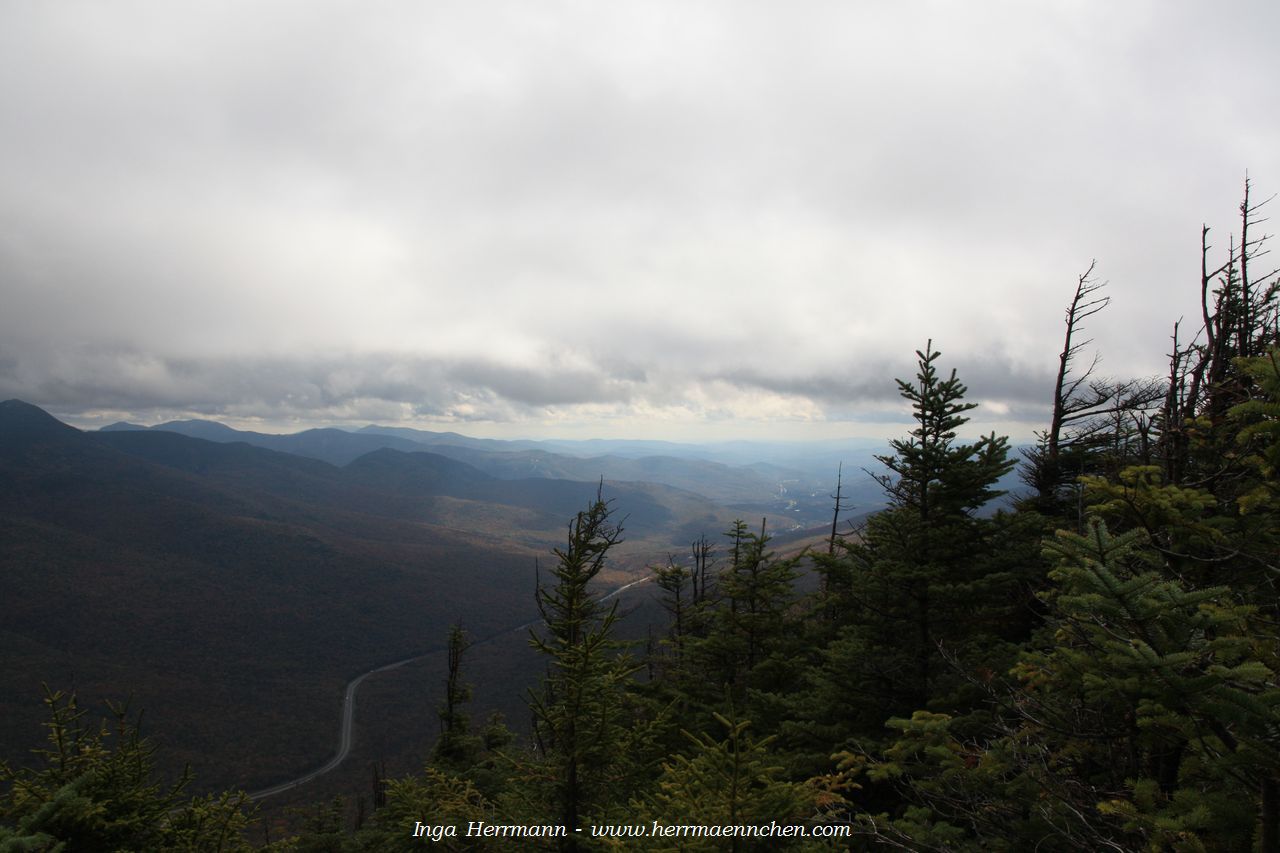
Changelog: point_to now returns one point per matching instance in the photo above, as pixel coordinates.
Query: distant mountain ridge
(335, 446)
(25, 424)
(508, 460)
(232, 589)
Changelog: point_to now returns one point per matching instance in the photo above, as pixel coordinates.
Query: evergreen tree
(96, 790)
(733, 780)
(456, 746)
(929, 577)
(675, 580)
(1145, 714)
(1145, 720)
(749, 639)
(756, 591)
(930, 473)
(581, 724)
(435, 798)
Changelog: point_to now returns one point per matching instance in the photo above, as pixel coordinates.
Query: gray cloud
(103, 384)
(987, 378)
(632, 212)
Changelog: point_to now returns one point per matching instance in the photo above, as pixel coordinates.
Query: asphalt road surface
(346, 734)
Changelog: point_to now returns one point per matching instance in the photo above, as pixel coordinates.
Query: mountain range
(232, 582)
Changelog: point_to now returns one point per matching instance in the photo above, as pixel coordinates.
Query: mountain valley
(230, 583)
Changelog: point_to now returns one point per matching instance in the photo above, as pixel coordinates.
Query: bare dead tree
(703, 562)
(1066, 390)
(1089, 413)
(839, 506)
(1238, 313)
(1173, 439)
(1045, 472)
(674, 579)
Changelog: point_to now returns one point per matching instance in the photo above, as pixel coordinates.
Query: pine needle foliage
(95, 789)
(582, 729)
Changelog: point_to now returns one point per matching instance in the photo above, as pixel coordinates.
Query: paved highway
(346, 734)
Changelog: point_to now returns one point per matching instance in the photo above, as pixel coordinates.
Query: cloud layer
(620, 214)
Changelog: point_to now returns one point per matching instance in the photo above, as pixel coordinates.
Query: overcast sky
(652, 219)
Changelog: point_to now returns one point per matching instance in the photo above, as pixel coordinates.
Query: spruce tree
(930, 473)
(96, 789)
(1144, 720)
(580, 722)
(932, 591)
(747, 647)
(730, 779)
(456, 746)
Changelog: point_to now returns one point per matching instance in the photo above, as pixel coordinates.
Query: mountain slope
(233, 611)
(514, 460)
(334, 446)
(232, 590)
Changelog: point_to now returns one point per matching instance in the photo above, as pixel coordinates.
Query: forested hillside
(1094, 668)
(232, 590)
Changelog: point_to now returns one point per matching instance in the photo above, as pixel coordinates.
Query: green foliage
(932, 597)
(586, 733)
(456, 745)
(1146, 720)
(1170, 711)
(734, 780)
(932, 474)
(1258, 422)
(324, 830)
(687, 598)
(1256, 493)
(749, 621)
(437, 798)
(955, 794)
(95, 789)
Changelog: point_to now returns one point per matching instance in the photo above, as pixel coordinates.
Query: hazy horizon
(805, 433)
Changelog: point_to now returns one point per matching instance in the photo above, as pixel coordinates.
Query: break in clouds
(614, 215)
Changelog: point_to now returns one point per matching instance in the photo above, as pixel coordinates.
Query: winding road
(347, 729)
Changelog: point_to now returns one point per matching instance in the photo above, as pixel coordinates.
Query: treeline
(1092, 668)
